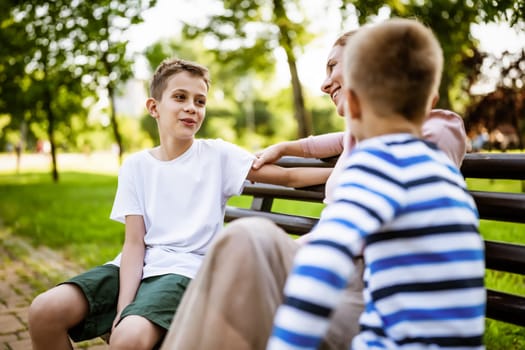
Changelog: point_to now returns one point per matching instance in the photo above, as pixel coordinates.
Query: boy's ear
(151, 105)
(353, 106)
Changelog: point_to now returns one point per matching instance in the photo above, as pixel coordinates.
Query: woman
(231, 302)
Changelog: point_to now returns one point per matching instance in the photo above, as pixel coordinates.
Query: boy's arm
(291, 177)
(132, 262)
(313, 289)
(319, 146)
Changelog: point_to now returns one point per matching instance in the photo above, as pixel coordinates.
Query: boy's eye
(179, 96)
(201, 102)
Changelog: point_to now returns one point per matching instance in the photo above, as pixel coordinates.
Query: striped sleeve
(365, 198)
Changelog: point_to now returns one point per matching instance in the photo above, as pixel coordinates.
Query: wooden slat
(293, 224)
(506, 307)
(273, 191)
(475, 165)
(494, 166)
(508, 257)
(500, 206)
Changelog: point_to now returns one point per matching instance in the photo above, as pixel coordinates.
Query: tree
(104, 48)
(503, 108)
(247, 33)
(46, 46)
(450, 20)
(62, 45)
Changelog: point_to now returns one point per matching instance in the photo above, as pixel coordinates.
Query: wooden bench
(498, 206)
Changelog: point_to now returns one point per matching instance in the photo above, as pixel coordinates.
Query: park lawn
(73, 216)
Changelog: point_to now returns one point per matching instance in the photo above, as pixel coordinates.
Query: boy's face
(333, 83)
(181, 110)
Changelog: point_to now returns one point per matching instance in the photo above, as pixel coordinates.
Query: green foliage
(54, 54)
(451, 21)
(245, 36)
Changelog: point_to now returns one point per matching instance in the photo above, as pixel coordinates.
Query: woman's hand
(270, 154)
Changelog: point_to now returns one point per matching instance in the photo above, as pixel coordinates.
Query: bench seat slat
(293, 224)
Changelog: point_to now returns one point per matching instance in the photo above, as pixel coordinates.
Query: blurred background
(74, 74)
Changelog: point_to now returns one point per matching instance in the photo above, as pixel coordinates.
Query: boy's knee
(134, 335)
(41, 308)
(57, 305)
(252, 227)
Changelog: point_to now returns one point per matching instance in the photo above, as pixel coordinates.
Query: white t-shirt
(182, 201)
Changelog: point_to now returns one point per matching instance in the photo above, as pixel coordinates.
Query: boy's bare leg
(52, 313)
(135, 332)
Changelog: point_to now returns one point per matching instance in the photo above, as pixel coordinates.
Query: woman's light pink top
(444, 128)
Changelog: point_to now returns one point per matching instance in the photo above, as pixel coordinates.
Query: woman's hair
(341, 41)
(170, 67)
(396, 66)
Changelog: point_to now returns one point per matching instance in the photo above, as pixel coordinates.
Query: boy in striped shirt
(401, 203)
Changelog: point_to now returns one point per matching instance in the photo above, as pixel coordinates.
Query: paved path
(24, 272)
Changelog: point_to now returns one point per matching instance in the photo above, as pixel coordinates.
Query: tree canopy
(58, 58)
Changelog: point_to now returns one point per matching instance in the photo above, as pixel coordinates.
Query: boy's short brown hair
(395, 66)
(168, 68)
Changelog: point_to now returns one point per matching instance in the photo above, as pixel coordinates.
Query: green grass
(73, 217)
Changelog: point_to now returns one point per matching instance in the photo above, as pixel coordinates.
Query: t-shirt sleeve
(322, 146)
(236, 163)
(126, 200)
(447, 130)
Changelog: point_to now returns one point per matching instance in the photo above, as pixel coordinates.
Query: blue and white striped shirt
(402, 204)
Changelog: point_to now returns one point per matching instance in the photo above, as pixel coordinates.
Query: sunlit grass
(72, 215)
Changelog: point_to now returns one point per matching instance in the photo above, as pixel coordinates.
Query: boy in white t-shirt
(172, 200)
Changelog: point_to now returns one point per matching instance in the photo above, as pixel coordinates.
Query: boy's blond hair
(395, 66)
(170, 67)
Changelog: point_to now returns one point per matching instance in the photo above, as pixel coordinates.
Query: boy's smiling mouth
(188, 121)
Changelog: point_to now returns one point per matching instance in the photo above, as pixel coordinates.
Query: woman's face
(333, 83)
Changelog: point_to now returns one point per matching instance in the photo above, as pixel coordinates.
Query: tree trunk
(114, 122)
(51, 133)
(444, 98)
(303, 118)
(516, 119)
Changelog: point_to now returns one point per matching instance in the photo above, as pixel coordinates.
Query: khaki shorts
(157, 300)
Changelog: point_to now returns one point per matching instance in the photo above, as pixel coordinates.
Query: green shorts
(157, 300)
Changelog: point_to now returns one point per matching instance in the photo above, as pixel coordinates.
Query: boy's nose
(189, 107)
